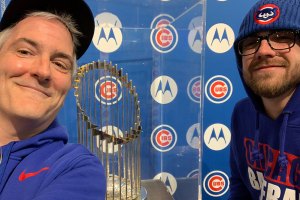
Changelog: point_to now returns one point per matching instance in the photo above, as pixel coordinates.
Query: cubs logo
(218, 89)
(108, 90)
(194, 89)
(163, 36)
(216, 183)
(163, 138)
(267, 14)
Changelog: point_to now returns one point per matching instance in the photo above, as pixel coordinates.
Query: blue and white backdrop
(186, 78)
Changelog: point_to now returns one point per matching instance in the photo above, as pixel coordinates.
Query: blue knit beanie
(269, 15)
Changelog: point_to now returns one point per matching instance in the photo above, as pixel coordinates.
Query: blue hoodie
(265, 153)
(45, 167)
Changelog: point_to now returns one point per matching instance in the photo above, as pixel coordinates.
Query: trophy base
(150, 190)
(121, 189)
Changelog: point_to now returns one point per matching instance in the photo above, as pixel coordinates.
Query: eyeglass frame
(267, 37)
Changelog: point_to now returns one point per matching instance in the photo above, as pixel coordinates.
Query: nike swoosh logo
(24, 175)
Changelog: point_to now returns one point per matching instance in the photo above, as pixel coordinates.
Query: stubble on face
(273, 83)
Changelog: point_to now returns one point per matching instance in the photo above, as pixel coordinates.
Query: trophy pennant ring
(109, 125)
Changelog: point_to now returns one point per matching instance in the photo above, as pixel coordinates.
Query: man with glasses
(265, 145)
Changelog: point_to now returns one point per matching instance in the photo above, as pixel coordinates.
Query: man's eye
(24, 52)
(62, 66)
(250, 43)
(282, 39)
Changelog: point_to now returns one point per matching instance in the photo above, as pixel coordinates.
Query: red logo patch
(24, 175)
(267, 14)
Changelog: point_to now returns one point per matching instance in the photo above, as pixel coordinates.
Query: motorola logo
(107, 36)
(195, 38)
(164, 89)
(220, 38)
(169, 180)
(217, 137)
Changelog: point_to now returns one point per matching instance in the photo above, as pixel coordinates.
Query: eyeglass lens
(278, 40)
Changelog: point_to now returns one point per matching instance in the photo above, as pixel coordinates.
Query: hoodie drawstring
(282, 157)
(256, 155)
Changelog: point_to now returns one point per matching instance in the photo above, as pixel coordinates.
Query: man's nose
(41, 69)
(265, 49)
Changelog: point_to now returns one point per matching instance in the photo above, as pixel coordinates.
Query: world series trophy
(109, 125)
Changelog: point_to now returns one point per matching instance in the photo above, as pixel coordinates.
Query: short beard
(261, 87)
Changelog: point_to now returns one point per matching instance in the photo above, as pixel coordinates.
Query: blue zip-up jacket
(45, 167)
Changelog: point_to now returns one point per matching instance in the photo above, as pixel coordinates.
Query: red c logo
(216, 183)
(108, 90)
(163, 138)
(218, 89)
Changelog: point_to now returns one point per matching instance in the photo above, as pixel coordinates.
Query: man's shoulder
(71, 152)
(244, 102)
(73, 159)
(74, 148)
(243, 109)
(244, 105)
(66, 156)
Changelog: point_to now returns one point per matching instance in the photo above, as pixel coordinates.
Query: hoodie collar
(20, 149)
(54, 132)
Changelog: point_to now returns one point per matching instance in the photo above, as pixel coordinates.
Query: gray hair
(63, 18)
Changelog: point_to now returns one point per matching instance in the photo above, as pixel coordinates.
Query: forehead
(268, 32)
(42, 28)
(40, 20)
(262, 33)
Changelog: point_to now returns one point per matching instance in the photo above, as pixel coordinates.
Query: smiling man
(40, 42)
(265, 150)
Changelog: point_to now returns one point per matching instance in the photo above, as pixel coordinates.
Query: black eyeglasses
(278, 40)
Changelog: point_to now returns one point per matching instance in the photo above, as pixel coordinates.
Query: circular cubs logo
(163, 138)
(267, 14)
(163, 36)
(194, 89)
(216, 183)
(218, 89)
(108, 90)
